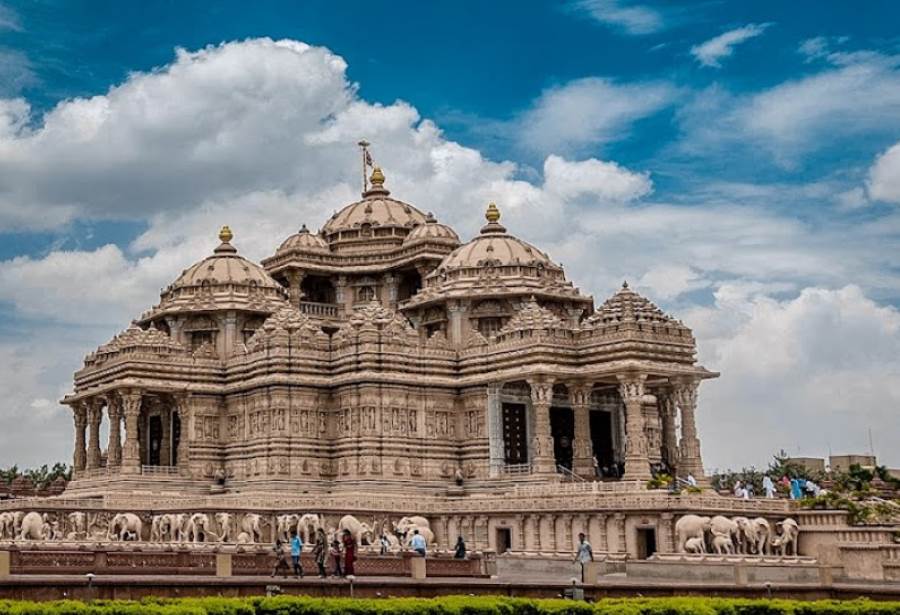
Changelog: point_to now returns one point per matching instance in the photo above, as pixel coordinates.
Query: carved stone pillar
(295, 279)
(183, 449)
(622, 547)
(456, 317)
(131, 452)
(582, 447)
(519, 538)
(637, 464)
(689, 460)
(390, 290)
(79, 415)
(536, 527)
(602, 543)
(551, 532)
(94, 416)
(444, 525)
(667, 410)
(114, 448)
(666, 533)
(568, 539)
(542, 460)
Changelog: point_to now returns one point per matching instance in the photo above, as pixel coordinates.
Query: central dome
(376, 216)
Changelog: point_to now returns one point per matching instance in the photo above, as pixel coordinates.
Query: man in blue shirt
(296, 549)
(418, 543)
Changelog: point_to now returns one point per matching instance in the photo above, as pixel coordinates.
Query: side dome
(303, 241)
(376, 220)
(432, 230)
(223, 281)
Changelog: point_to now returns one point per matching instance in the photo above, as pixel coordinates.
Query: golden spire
(492, 214)
(377, 177)
(225, 235)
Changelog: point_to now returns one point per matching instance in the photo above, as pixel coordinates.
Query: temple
(384, 351)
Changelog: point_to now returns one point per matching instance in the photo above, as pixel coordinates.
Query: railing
(515, 469)
(569, 474)
(159, 470)
(319, 310)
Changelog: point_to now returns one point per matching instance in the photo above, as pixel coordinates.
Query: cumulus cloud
(594, 178)
(635, 19)
(884, 176)
(802, 374)
(713, 51)
(588, 112)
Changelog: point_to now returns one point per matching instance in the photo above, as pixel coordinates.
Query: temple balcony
(326, 311)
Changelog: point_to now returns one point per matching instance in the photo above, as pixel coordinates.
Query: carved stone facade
(381, 355)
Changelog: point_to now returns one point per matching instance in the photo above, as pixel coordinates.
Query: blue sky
(733, 160)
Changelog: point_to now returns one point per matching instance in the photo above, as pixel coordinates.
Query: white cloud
(856, 96)
(635, 19)
(594, 179)
(884, 176)
(711, 52)
(587, 113)
(798, 374)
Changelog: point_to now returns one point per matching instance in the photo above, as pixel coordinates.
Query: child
(336, 557)
(280, 559)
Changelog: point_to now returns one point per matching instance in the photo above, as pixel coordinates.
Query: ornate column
(568, 539)
(637, 465)
(79, 415)
(536, 525)
(496, 449)
(94, 416)
(666, 404)
(582, 447)
(390, 290)
(295, 279)
(519, 539)
(666, 533)
(689, 460)
(456, 316)
(114, 448)
(551, 533)
(182, 455)
(622, 547)
(602, 544)
(542, 460)
(131, 453)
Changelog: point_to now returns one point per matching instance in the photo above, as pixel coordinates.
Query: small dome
(376, 210)
(628, 306)
(430, 231)
(303, 241)
(224, 280)
(495, 247)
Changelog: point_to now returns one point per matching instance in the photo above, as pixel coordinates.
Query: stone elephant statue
(78, 526)
(225, 523)
(785, 542)
(156, 532)
(32, 526)
(722, 544)
(695, 545)
(284, 524)
(307, 526)
(745, 539)
(125, 526)
(7, 525)
(178, 527)
(251, 524)
(691, 526)
(198, 527)
(363, 532)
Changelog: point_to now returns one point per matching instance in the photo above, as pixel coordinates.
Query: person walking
(336, 557)
(280, 559)
(460, 552)
(296, 550)
(768, 486)
(584, 554)
(418, 543)
(320, 551)
(349, 553)
(385, 544)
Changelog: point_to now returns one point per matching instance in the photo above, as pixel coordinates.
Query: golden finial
(225, 235)
(492, 214)
(377, 177)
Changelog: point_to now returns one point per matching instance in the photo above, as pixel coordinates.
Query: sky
(738, 163)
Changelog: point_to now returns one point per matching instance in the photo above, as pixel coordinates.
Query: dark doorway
(410, 283)
(317, 289)
(176, 436)
(515, 434)
(504, 540)
(646, 542)
(602, 438)
(562, 428)
(155, 442)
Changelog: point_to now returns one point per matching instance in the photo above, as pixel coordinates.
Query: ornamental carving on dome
(287, 326)
(532, 317)
(134, 340)
(378, 321)
(627, 309)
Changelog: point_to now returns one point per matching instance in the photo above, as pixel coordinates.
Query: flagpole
(365, 181)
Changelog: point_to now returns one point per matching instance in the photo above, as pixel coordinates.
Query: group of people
(794, 487)
(341, 551)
